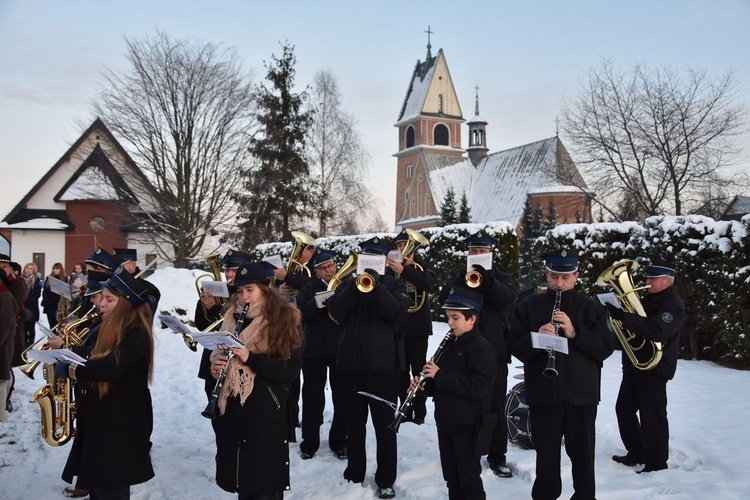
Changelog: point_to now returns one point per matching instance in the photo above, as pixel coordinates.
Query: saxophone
(56, 397)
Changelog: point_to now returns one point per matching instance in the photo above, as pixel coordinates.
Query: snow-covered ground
(708, 414)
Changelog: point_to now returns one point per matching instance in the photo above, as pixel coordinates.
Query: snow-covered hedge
(713, 273)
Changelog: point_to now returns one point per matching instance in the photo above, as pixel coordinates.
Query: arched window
(409, 171)
(440, 103)
(410, 137)
(441, 137)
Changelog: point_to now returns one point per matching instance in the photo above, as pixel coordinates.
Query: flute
(210, 411)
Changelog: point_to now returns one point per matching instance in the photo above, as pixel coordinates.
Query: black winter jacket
(418, 323)
(665, 316)
(369, 341)
(579, 372)
(322, 335)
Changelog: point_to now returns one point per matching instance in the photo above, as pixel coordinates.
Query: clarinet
(551, 371)
(210, 411)
(401, 412)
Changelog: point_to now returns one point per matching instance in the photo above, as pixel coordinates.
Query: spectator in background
(50, 300)
(31, 306)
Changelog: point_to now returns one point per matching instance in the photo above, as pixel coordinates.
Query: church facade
(431, 161)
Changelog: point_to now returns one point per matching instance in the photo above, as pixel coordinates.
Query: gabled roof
(96, 179)
(497, 188)
(32, 218)
(99, 126)
(739, 206)
(419, 88)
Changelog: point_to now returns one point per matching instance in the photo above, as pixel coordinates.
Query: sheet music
(216, 340)
(274, 260)
(49, 333)
(543, 341)
(609, 298)
(56, 356)
(321, 297)
(217, 288)
(482, 259)
(367, 261)
(396, 255)
(174, 324)
(60, 288)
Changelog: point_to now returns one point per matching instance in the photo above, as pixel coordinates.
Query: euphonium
(301, 240)
(415, 241)
(56, 397)
(213, 264)
(348, 268)
(620, 277)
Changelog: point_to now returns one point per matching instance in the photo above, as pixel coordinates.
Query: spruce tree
(277, 188)
(448, 208)
(464, 212)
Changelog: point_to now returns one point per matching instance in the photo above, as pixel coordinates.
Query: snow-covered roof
(417, 91)
(738, 207)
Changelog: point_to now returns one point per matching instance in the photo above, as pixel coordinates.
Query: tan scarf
(240, 378)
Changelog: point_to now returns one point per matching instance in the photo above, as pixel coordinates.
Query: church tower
(429, 122)
(477, 135)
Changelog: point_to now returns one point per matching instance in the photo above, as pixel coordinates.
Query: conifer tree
(277, 187)
(464, 212)
(448, 208)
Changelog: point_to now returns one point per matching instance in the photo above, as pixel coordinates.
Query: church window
(441, 137)
(440, 103)
(409, 171)
(410, 137)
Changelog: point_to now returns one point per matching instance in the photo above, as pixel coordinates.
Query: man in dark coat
(8, 314)
(564, 405)
(321, 341)
(368, 360)
(128, 258)
(415, 326)
(499, 293)
(644, 392)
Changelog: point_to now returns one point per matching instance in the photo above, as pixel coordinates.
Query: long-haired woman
(254, 425)
(114, 419)
(31, 306)
(50, 300)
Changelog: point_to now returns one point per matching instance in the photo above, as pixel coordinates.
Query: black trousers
(499, 444)
(577, 424)
(462, 470)
(316, 372)
(647, 439)
(357, 408)
(416, 357)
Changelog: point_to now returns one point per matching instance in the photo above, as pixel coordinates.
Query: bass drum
(517, 416)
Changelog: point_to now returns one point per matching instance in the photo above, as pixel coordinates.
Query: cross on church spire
(476, 101)
(429, 45)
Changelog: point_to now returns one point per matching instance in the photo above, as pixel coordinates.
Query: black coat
(31, 305)
(112, 444)
(370, 342)
(252, 441)
(322, 335)
(50, 300)
(665, 316)
(418, 323)
(579, 372)
(499, 294)
(202, 321)
(463, 384)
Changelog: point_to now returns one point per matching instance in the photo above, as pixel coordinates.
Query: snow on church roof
(508, 175)
(417, 92)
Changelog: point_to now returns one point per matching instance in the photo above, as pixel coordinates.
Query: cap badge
(243, 272)
(563, 253)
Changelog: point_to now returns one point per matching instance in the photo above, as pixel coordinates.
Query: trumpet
(550, 370)
(365, 283)
(473, 279)
(210, 411)
(401, 412)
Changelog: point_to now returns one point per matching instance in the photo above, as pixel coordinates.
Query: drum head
(517, 416)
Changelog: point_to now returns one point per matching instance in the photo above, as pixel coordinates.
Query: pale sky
(526, 57)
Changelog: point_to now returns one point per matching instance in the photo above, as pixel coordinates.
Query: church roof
(508, 175)
(417, 91)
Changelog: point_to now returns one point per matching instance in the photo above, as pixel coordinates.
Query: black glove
(615, 312)
(486, 279)
(375, 275)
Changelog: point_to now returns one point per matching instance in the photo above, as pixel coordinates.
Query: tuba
(56, 397)
(301, 240)
(642, 353)
(415, 241)
(213, 264)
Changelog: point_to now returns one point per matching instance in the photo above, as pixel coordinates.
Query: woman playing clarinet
(254, 425)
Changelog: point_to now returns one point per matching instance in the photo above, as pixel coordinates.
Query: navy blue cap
(374, 245)
(659, 268)
(102, 258)
(234, 258)
(321, 257)
(478, 240)
(95, 281)
(463, 299)
(562, 261)
(250, 272)
(268, 267)
(125, 285)
(121, 255)
(402, 236)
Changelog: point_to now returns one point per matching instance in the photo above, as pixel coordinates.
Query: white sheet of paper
(60, 288)
(543, 341)
(49, 333)
(482, 259)
(395, 255)
(175, 324)
(321, 297)
(367, 261)
(609, 298)
(215, 340)
(217, 288)
(56, 356)
(275, 260)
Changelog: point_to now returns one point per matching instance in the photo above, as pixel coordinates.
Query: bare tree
(185, 112)
(655, 141)
(338, 162)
